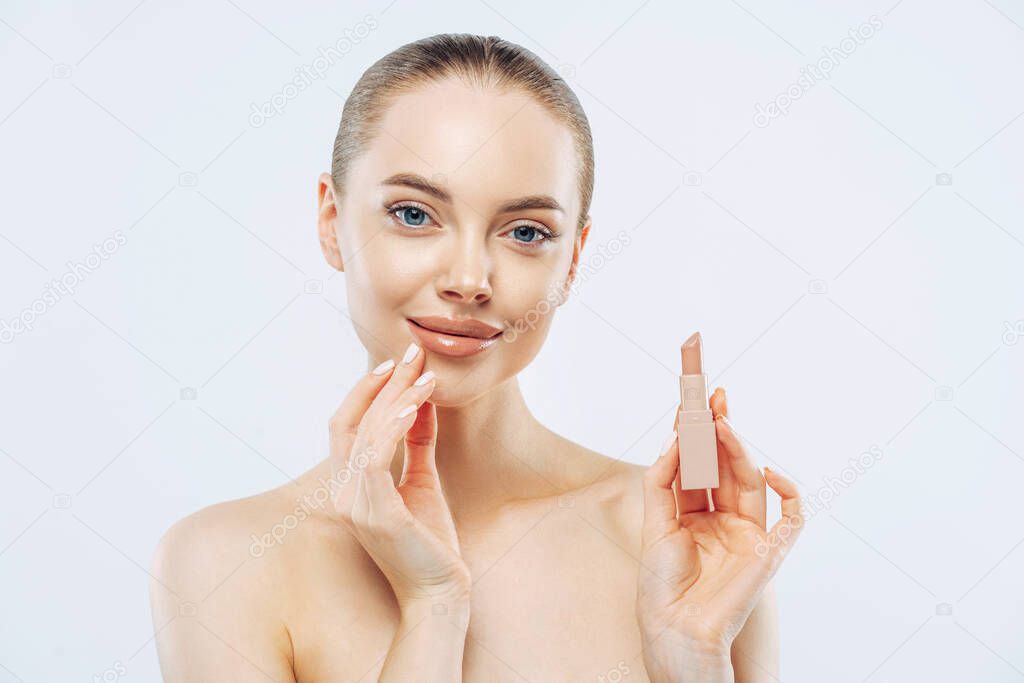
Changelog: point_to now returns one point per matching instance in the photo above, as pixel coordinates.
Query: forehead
(489, 146)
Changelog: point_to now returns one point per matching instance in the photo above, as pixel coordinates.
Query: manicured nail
(410, 353)
(668, 443)
(384, 367)
(424, 378)
(407, 410)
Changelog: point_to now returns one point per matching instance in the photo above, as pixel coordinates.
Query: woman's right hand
(408, 530)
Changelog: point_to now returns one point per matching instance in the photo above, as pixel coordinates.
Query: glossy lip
(469, 327)
(454, 345)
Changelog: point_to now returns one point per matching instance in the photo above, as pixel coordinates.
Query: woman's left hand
(702, 572)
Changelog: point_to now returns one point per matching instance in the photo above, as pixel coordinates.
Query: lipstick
(695, 424)
(447, 343)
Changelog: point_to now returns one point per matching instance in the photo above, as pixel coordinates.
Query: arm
(755, 652)
(429, 643)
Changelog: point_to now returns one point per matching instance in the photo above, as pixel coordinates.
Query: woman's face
(463, 207)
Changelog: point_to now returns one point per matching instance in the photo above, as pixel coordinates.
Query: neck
(493, 451)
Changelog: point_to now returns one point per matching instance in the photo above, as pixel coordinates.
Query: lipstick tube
(695, 424)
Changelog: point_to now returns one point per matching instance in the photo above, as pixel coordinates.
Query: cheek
(379, 283)
(533, 286)
(525, 297)
(387, 270)
(529, 301)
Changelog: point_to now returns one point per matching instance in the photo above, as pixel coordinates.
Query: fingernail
(424, 378)
(668, 443)
(410, 353)
(384, 367)
(407, 410)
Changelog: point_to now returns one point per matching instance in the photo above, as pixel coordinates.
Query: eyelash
(549, 235)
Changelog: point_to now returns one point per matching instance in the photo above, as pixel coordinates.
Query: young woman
(449, 535)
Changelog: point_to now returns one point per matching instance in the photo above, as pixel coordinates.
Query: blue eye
(528, 232)
(414, 215)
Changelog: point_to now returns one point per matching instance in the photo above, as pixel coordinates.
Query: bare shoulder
(615, 497)
(616, 481)
(200, 551)
(222, 581)
(208, 598)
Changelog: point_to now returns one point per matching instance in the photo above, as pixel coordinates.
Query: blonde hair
(484, 61)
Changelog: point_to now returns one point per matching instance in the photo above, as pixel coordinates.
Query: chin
(460, 386)
(457, 396)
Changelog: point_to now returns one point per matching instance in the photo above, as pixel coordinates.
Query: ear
(581, 240)
(327, 219)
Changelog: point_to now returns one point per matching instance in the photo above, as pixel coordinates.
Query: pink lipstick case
(698, 444)
(695, 423)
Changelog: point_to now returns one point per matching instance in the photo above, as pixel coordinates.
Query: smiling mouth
(476, 336)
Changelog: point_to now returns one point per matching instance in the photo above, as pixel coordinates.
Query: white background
(848, 300)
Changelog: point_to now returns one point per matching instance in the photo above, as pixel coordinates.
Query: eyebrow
(418, 182)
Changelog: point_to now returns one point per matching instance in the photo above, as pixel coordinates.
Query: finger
(787, 490)
(785, 532)
(346, 418)
(395, 421)
(344, 424)
(749, 489)
(659, 499)
(407, 369)
(420, 467)
(718, 403)
(725, 497)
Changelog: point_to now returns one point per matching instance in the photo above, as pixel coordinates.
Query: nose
(467, 279)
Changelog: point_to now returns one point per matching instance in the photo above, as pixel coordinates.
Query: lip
(470, 327)
(457, 338)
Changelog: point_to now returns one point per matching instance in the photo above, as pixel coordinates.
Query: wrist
(430, 640)
(453, 608)
(669, 659)
(688, 665)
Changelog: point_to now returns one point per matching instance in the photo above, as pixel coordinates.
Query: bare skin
(553, 595)
(550, 533)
